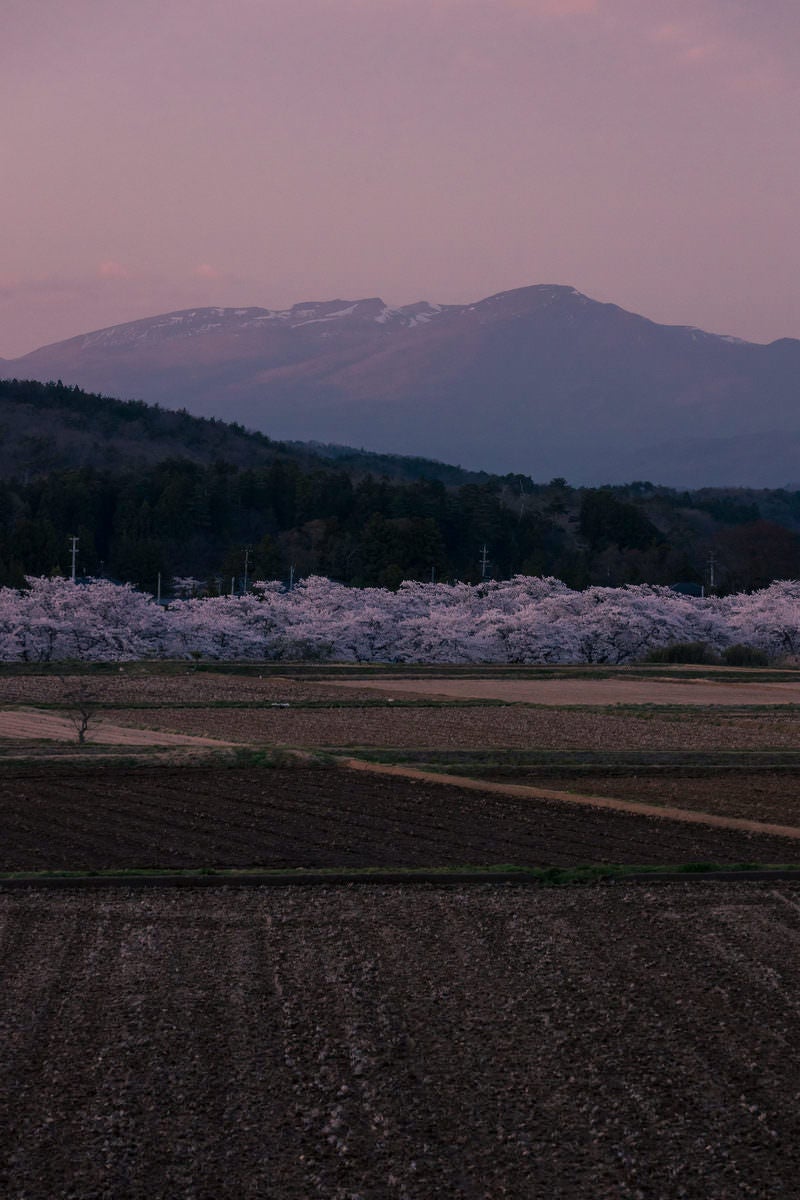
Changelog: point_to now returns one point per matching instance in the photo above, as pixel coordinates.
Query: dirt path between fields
(37, 725)
(689, 816)
(586, 691)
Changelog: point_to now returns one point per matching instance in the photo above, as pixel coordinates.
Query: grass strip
(492, 758)
(610, 771)
(642, 710)
(353, 670)
(74, 759)
(115, 705)
(494, 874)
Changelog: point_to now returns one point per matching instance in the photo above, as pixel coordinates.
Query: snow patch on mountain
(194, 322)
(338, 316)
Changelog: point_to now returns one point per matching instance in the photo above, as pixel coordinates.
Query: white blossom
(522, 620)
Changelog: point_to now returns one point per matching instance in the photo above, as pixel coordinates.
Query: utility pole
(74, 543)
(247, 551)
(712, 562)
(291, 577)
(158, 589)
(484, 561)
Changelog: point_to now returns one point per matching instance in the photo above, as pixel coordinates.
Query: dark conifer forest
(152, 492)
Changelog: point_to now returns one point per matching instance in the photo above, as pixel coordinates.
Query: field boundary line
(388, 878)
(525, 791)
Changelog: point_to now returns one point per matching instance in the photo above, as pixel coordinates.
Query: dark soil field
(104, 817)
(773, 797)
(142, 684)
(504, 727)
(613, 1043)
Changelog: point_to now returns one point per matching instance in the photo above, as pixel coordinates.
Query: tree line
(216, 522)
(153, 493)
(523, 620)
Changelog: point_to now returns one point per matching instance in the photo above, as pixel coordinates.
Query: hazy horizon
(183, 153)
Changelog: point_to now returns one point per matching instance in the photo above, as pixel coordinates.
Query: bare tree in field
(83, 706)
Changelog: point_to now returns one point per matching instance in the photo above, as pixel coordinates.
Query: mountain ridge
(540, 380)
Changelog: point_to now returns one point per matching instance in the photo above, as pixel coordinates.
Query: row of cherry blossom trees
(523, 620)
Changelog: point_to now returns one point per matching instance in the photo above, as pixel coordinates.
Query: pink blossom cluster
(522, 620)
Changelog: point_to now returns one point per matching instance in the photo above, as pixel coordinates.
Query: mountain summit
(541, 380)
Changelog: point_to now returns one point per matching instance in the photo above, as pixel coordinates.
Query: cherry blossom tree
(522, 620)
(56, 620)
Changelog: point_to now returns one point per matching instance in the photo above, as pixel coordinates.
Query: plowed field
(99, 817)
(603, 1044)
(129, 686)
(620, 690)
(766, 796)
(512, 728)
(20, 724)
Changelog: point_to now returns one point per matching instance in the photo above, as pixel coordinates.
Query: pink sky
(169, 153)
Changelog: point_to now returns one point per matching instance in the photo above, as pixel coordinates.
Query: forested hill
(150, 493)
(46, 427)
(500, 384)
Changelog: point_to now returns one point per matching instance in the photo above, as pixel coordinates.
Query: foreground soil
(511, 728)
(584, 1044)
(194, 816)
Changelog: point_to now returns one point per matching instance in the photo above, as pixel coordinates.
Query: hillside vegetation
(502, 383)
(149, 491)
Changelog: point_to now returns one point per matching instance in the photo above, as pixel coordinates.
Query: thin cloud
(710, 44)
(110, 269)
(685, 44)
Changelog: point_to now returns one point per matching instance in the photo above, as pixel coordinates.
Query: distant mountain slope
(52, 427)
(540, 380)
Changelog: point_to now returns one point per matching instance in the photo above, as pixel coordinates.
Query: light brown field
(559, 692)
(36, 725)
